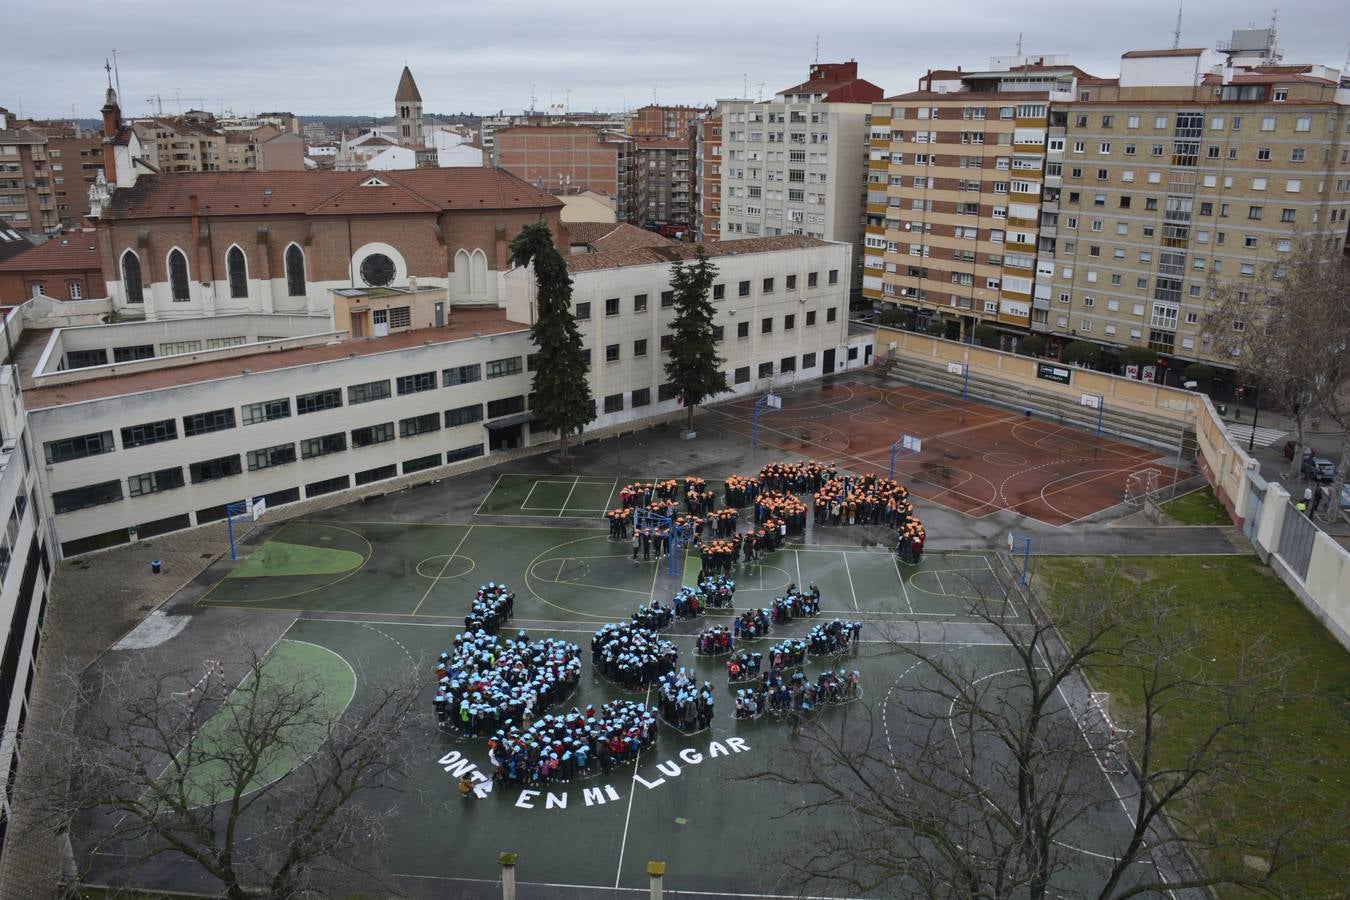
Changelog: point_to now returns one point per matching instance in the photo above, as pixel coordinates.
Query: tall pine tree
(562, 390)
(694, 368)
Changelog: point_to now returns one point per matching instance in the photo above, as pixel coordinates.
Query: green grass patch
(1198, 508)
(1304, 775)
(280, 558)
(291, 662)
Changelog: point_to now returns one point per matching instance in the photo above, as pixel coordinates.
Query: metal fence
(1296, 540)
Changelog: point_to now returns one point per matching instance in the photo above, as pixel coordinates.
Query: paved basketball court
(975, 458)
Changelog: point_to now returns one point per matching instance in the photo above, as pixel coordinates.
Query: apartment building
(149, 427)
(956, 172)
(26, 199)
(565, 159)
(797, 164)
(25, 570)
(64, 267)
(1192, 164)
(664, 121)
(557, 115)
(708, 178)
(662, 179)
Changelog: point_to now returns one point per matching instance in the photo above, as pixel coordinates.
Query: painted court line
(645, 892)
(904, 591)
(437, 580)
(850, 583)
(488, 496)
(568, 498)
(526, 502)
(610, 499)
(632, 792)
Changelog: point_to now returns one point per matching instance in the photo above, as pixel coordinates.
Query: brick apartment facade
(664, 121)
(663, 178)
(562, 159)
(66, 267)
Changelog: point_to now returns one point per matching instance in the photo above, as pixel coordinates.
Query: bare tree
(986, 776)
(1287, 329)
(275, 798)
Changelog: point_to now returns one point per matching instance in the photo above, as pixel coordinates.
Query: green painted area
(278, 558)
(1299, 768)
(1198, 508)
(316, 669)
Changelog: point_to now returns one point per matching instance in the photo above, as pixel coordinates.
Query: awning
(508, 421)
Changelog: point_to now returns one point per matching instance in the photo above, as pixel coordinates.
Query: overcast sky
(335, 58)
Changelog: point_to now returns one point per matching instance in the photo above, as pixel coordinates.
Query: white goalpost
(1105, 737)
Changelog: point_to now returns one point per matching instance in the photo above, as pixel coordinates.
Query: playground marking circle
(1004, 458)
(438, 567)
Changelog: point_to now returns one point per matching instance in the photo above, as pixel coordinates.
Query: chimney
(112, 125)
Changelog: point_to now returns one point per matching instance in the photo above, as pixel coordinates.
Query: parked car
(1289, 450)
(1318, 468)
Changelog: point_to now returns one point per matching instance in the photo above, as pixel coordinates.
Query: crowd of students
(795, 477)
(492, 608)
(652, 616)
(683, 702)
(714, 641)
(484, 682)
(688, 603)
(620, 520)
(719, 524)
(909, 542)
(862, 500)
(744, 666)
(795, 693)
(790, 652)
(835, 636)
(631, 656)
(718, 590)
(753, 623)
(571, 745)
(796, 604)
(697, 498)
(739, 491)
(787, 509)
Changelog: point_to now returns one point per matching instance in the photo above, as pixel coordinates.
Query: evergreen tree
(694, 368)
(562, 390)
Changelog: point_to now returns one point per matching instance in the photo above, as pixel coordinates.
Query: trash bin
(156, 567)
(1223, 409)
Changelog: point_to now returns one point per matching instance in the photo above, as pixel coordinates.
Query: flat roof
(463, 324)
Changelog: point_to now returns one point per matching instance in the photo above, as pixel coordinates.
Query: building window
(154, 482)
(131, 278)
(766, 325)
(74, 289)
(789, 322)
(506, 406)
(327, 486)
(500, 368)
(792, 282)
(1254, 212)
(612, 306)
(768, 286)
(639, 303)
(788, 364)
(808, 361)
(253, 413)
(640, 347)
(811, 279)
(665, 392)
(178, 276)
(415, 425)
(810, 318)
(412, 384)
(373, 434)
(612, 353)
(367, 391)
(236, 269)
(667, 343)
(79, 447)
(270, 456)
(212, 469)
(323, 445)
(742, 375)
(834, 279)
(377, 270)
(295, 271)
(463, 453)
(668, 297)
(743, 289)
(149, 433)
(378, 474)
(318, 401)
(583, 310)
(462, 375)
(614, 403)
(742, 329)
(642, 397)
(87, 496)
(766, 370)
(464, 415)
(832, 314)
(207, 422)
(422, 463)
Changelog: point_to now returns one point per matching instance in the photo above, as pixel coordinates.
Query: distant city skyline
(316, 59)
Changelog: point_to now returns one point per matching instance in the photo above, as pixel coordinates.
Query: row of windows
(767, 286)
(643, 396)
(236, 270)
(147, 433)
(223, 467)
(613, 352)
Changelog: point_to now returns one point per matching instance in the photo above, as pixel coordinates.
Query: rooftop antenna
(1019, 43)
(567, 101)
(654, 87)
(761, 92)
(1176, 35)
(117, 74)
(532, 98)
(817, 48)
(745, 84)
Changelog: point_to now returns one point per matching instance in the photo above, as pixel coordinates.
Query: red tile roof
(60, 254)
(839, 82)
(677, 252)
(462, 324)
(325, 193)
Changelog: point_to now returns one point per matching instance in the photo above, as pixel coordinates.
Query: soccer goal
(1139, 485)
(1104, 736)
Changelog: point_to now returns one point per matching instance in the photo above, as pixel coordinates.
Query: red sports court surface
(975, 459)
